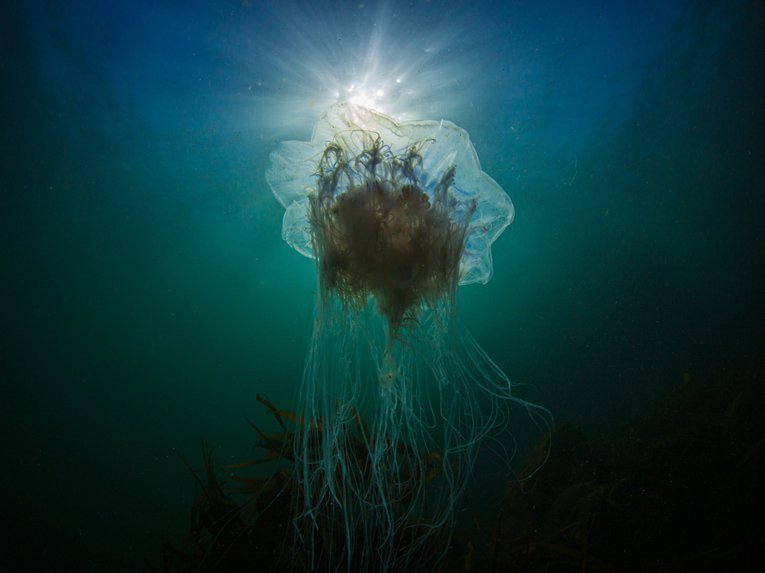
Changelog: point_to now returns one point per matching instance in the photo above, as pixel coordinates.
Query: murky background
(147, 296)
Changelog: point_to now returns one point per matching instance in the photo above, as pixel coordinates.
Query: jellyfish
(396, 395)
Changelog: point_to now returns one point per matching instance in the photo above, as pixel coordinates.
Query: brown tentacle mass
(383, 235)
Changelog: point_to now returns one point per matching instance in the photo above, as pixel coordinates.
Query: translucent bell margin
(292, 176)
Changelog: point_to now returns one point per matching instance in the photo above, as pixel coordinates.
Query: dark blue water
(147, 296)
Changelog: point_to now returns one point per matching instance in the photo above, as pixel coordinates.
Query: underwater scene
(382, 286)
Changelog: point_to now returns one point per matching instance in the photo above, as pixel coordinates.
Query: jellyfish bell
(396, 396)
(361, 142)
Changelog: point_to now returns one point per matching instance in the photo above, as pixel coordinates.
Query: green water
(147, 295)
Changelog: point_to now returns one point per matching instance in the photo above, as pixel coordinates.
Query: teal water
(148, 297)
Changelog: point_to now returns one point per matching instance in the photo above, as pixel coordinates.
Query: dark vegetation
(677, 489)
